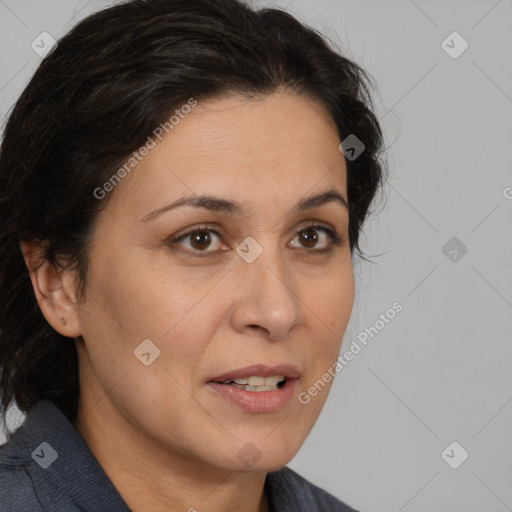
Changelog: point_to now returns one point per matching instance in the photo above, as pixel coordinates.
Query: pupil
(309, 236)
(201, 240)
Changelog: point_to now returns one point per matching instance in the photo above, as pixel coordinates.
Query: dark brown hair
(96, 98)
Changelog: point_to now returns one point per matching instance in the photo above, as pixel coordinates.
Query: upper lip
(259, 370)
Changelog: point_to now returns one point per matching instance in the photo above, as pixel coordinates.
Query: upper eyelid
(216, 230)
(193, 229)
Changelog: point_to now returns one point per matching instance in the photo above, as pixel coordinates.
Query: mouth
(257, 388)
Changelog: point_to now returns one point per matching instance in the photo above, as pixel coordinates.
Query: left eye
(309, 237)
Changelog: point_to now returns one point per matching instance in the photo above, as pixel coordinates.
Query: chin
(250, 458)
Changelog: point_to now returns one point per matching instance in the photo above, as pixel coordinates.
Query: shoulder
(17, 491)
(290, 492)
(46, 465)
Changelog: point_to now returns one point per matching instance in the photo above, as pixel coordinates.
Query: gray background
(440, 370)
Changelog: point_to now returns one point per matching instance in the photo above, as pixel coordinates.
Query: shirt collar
(60, 464)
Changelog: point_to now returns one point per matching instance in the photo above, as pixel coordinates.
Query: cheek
(134, 298)
(144, 297)
(129, 304)
(330, 297)
(328, 307)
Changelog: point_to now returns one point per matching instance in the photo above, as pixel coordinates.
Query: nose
(267, 298)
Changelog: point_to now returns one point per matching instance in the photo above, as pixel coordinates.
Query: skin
(162, 436)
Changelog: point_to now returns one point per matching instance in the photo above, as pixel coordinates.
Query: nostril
(255, 327)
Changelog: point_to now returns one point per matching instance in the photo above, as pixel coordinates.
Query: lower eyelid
(331, 235)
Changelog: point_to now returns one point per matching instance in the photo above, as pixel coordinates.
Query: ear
(53, 288)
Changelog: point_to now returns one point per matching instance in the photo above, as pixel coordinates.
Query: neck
(150, 478)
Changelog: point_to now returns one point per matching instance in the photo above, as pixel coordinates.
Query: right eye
(197, 240)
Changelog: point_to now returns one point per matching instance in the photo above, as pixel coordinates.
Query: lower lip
(256, 401)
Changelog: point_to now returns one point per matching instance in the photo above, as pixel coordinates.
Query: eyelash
(335, 239)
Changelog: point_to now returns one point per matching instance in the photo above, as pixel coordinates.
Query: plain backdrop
(439, 372)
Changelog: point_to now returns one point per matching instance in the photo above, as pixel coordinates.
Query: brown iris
(309, 237)
(200, 239)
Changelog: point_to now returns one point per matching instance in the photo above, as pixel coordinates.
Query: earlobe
(53, 288)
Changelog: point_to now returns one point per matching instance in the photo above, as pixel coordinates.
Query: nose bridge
(268, 298)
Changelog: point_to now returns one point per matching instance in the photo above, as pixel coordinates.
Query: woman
(182, 188)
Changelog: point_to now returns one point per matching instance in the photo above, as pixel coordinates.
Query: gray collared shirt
(48, 467)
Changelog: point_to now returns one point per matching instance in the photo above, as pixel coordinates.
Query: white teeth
(257, 383)
(275, 379)
(261, 381)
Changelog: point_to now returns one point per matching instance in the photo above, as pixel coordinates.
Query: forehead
(259, 150)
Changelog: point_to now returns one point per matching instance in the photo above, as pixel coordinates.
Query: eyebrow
(216, 204)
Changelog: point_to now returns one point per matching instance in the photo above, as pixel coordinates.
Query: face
(251, 283)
